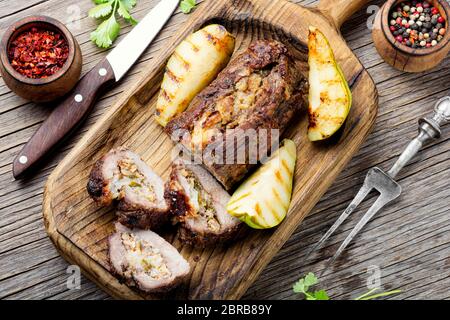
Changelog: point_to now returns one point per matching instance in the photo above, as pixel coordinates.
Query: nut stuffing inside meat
(230, 110)
(144, 260)
(198, 201)
(260, 90)
(122, 176)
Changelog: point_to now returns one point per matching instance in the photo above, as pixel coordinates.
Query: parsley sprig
(107, 10)
(187, 6)
(304, 284)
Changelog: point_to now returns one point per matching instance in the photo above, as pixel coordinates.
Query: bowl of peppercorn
(40, 59)
(413, 36)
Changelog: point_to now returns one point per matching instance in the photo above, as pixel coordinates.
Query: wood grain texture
(408, 241)
(338, 11)
(80, 229)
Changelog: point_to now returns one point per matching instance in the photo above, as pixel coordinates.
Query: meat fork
(383, 182)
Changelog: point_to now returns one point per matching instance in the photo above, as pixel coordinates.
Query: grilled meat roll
(198, 201)
(260, 90)
(142, 259)
(122, 176)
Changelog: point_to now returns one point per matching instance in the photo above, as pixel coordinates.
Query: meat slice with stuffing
(142, 259)
(198, 202)
(122, 176)
(260, 90)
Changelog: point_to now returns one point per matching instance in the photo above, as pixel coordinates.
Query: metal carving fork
(383, 182)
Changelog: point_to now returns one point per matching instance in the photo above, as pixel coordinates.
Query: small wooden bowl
(47, 89)
(403, 57)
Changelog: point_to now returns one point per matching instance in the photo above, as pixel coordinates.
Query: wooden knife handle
(340, 10)
(65, 117)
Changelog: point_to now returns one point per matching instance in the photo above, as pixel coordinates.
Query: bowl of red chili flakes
(40, 59)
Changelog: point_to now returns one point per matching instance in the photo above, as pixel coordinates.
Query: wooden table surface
(408, 243)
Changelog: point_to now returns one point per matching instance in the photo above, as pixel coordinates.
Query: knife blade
(71, 112)
(140, 37)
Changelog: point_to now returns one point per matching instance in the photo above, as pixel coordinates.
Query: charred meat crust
(197, 239)
(134, 210)
(193, 229)
(134, 217)
(97, 185)
(178, 200)
(268, 69)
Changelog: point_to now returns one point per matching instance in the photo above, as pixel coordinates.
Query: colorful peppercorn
(417, 24)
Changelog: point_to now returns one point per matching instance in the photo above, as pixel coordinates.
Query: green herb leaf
(101, 11)
(129, 4)
(304, 284)
(299, 286)
(106, 33)
(310, 280)
(109, 29)
(187, 6)
(123, 12)
(321, 295)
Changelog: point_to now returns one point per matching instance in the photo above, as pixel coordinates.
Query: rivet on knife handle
(64, 118)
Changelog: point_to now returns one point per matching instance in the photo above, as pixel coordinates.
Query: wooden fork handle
(340, 10)
(64, 118)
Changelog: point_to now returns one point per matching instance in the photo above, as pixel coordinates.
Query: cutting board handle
(340, 10)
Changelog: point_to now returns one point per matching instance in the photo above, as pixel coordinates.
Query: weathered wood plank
(406, 262)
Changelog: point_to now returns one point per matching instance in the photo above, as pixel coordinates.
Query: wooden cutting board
(80, 229)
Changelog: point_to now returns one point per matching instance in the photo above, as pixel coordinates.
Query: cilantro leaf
(304, 284)
(321, 295)
(123, 12)
(129, 4)
(109, 29)
(299, 286)
(187, 6)
(106, 33)
(101, 11)
(310, 280)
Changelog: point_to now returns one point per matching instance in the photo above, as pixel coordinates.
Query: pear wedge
(195, 63)
(330, 98)
(263, 200)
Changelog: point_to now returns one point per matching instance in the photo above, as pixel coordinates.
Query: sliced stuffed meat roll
(252, 99)
(198, 201)
(123, 176)
(144, 260)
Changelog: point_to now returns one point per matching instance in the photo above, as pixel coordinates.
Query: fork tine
(362, 194)
(380, 203)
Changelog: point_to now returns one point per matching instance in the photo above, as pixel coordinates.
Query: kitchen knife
(74, 108)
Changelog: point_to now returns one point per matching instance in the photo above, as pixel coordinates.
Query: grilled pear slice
(330, 98)
(195, 63)
(263, 200)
